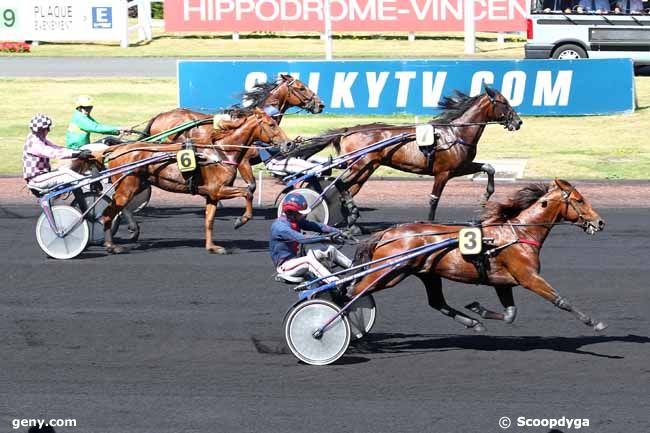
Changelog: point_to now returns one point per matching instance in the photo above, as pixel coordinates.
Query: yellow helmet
(84, 101)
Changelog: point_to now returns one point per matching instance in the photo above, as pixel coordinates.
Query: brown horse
(284, 93)
(517, 230)
(212, 180)
(457, 132)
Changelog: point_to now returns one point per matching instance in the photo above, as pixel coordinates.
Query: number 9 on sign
(470, 241)
(8, 18)
(186, 160)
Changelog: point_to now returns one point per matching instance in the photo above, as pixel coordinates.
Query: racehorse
(457, 130)
(518, 228)
(212, 180)
(284, 93)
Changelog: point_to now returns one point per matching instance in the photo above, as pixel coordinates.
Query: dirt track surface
(404, 193)
(170, 339)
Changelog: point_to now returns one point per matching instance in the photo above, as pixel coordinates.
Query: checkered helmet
(39, 122)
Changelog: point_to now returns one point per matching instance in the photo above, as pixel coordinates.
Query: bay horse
(518, 228)
(458, 130)
(284, 93)
(212, 180)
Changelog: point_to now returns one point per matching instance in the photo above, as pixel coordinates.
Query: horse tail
(147, 129)
(312, 146)
(366, 248)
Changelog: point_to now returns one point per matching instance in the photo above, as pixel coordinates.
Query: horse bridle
(566, 198)
(307, 102)
(510, 112)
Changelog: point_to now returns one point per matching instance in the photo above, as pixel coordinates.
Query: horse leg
(508, 302)
(133, 227)
(433, 285)
(360, 172)
(124, 192)
(535, 283)
(439, 182)
(210, 211)
(476, 167)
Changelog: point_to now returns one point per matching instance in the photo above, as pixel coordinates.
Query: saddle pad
(424, 135)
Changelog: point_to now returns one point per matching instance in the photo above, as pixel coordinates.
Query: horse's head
(575, 208)
(292, 92)
(502, 112)
(266, 129)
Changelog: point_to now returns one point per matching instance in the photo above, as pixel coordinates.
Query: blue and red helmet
(294, 202)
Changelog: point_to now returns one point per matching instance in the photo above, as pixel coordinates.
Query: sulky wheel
(362, 315)
(66, 247)
(304, 320)
(320, 213)
(93, 216)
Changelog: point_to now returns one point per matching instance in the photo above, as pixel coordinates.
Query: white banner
(62, 20)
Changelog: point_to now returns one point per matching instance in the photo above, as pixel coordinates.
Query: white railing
(144, 25)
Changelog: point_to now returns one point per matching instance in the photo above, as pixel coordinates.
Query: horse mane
(238, 112)
(455, 105)
(522, 199)
(258, 94)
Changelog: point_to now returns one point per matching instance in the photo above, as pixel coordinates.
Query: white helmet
(39, 122)
(84, 101)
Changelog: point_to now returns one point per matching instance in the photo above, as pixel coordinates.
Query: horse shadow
(397, 343)
(232, 246)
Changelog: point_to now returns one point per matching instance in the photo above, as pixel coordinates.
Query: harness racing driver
(286, 238)
(82, 124)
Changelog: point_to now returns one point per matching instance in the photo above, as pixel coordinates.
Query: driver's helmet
(84, 101)
(270, 110)
(40, 122)
(296, 203)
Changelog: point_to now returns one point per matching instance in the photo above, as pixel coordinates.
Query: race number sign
(470, 241)
(62, 20)
(347, 15)
(186, 160)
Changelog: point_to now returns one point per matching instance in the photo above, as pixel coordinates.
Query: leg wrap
(510, 314)
(562, 303)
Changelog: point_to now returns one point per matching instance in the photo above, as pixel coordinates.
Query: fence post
(470, 36)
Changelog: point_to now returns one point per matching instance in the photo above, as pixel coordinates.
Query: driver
(37, 153)
(286, 239)
(82, 124)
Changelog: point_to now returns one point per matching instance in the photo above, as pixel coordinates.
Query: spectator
(597, 6)
(628, 7)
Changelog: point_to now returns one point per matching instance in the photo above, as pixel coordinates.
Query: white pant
(292, 165)
(51, 179)
(314, 263)
(94, 147)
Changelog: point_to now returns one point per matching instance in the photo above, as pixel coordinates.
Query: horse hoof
(240, 222)
(114, 249)
(478, 327)
(134, 235)
(355, 230)
(474, 307)
(600, 326)
(217, 250)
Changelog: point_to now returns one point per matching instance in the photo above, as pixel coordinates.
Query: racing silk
(284, 239)
(37, 154)
(81, 126)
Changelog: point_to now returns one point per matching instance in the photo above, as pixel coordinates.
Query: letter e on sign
(103, 17)
(470, 240)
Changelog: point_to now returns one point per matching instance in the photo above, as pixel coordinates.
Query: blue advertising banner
(533, 87)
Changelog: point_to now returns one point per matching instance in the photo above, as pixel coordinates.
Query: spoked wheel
(66, 247)
(94, 215)
(140, 200)
(320, 213)
(304, 320)
(362, 315)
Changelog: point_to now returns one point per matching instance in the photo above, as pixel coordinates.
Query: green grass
(599, 147)
(289, 45)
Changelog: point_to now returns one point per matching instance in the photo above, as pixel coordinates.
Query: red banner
(347, 15)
